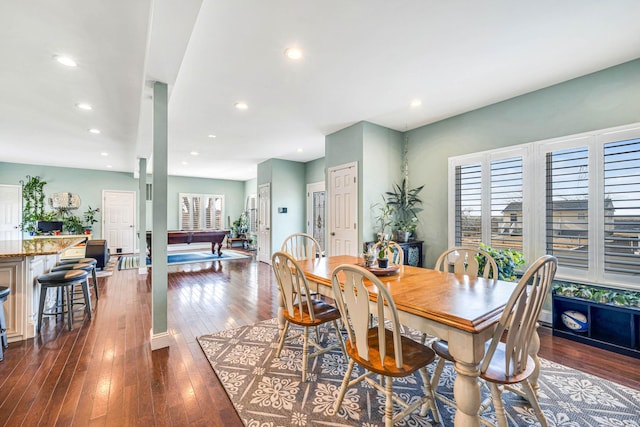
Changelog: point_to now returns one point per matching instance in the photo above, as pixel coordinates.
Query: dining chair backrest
(352, 299)
(462, 260)
(301, 246)
(395, 253)
(293, 285)
(520, 316)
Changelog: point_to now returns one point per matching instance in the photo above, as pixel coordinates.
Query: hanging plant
(33, 203)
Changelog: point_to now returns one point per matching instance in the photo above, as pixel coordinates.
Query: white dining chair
(507, 360)
(463, 260)
(379, 350)
(301, 309)
(302, 246)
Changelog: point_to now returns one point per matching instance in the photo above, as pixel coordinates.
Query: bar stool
(64, 281)
(4, 293)
(74, 266)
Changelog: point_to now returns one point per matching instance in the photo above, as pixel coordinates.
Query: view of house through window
(579, 200)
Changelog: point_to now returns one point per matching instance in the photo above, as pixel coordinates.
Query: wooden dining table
(462, 310)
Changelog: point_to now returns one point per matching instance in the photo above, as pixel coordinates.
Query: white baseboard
(159, 341)
(546, 317)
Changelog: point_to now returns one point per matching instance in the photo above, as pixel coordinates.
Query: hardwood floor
(104, 373)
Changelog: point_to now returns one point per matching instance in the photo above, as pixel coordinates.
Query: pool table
(216, 237)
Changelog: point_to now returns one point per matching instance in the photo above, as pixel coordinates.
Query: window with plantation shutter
(201, 211)
(575, 197)
(621, 203)
(567, 206)
(506, 204)
(468, 205)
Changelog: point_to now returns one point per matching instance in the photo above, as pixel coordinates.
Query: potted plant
(240, 225)
(508, 261)
(383, 219)
(383, 260)
(405, 204)
(33, 203)
(90, 219)
(73, 224)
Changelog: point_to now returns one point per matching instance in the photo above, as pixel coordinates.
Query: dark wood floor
(104, 373)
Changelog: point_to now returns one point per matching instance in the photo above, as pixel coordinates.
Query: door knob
(333, 234)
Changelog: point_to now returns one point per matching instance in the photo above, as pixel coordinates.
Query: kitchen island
(21, 262)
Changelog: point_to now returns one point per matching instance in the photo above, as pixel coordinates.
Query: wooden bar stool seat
(4, 293)
(63, 280)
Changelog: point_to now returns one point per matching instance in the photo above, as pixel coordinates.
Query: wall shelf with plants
(612, 316)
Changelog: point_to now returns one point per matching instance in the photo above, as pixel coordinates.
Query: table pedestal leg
(466, 392)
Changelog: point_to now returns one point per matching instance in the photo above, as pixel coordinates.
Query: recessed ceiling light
(194, 153)
(84, 106)
(65, 60)
(211, 135)
(104, 154)
(109, 166)
(185, 163)
(299, 150)
(416, 103)
(95, 131)
(293, 53)
(241, 105)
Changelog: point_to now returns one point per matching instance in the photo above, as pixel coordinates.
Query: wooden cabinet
(412, 252)
(614, 328)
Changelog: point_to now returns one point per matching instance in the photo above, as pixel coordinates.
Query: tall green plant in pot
(33, 203)
(405, 204)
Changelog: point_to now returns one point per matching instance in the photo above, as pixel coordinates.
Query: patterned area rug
(267, 391)
(108, 269)
(128, 262)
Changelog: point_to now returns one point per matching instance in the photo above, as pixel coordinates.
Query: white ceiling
(363, 60)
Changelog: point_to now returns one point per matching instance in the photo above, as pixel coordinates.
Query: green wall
(381, 167)
(314, 171)
(288, 190)
(88, 184)
(600, 100)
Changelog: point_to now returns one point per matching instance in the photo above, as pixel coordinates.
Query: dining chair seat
(322, 313)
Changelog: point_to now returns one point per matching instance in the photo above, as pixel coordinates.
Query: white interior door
(118, 220)
(264, 223)
(10, 207)
(316, 212)
(343, 210)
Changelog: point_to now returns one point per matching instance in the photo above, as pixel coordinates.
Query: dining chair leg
(340, 341)
(533, 400)
(437, 373)
(282, 338)
(305, 353)
(498, 406)
(430, 404)
(388, 405)
(343, 387)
